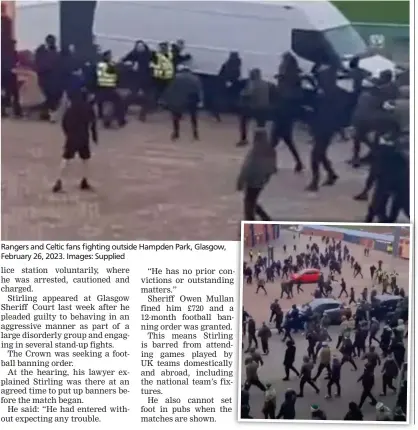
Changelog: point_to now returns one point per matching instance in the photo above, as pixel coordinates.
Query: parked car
(384, 307)
(333, 308)
(306, 276)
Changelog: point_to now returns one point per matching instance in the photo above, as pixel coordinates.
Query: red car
(307, 276)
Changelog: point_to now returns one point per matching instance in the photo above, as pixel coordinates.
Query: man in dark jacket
(289, 359)
(306, 376)
(264, 334)
(367, 380)
(347, 350)
(255, 103)
(139, 60)
(77, 124)
(354, 413)
(184, 95)
(259, 165)
(287, 408)
(51, 75)
(389, 373)
(251, 334)
(230, 85)
(9, 84)
(335, 378)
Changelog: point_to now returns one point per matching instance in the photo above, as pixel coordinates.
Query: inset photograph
(324, 326)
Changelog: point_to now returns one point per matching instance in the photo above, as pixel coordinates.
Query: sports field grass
(387, 12)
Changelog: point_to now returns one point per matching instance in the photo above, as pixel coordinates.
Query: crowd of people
(151, 78)
(365, 335)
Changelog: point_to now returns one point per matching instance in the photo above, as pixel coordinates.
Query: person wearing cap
(317, 413)
(258, 167)
(184, 94)
(255, 103)
(270, 399)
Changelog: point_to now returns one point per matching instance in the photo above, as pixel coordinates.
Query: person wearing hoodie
(270, 398)
(229, 78)
(258, 167)
(255, 104)
(287, 408)
(184, 95)
(289, 359)
(354, 413)
(390, 372)
(317, 413)
(383, 413)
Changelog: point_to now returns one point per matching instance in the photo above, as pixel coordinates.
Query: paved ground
(259, 305)
(335, 408)
(149, 188)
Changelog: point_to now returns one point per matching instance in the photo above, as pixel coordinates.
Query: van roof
(321, 15)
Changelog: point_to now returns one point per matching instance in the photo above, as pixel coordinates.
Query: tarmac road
(272, 371)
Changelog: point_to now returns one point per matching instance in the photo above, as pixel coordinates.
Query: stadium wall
(260, 234)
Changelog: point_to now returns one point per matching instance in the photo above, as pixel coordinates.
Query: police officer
(163, 69)
(107, 95)
(184, 95)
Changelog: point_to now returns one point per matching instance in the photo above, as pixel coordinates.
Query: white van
(260, 31)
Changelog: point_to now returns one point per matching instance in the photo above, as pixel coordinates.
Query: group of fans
(378, 113)
(362, 327)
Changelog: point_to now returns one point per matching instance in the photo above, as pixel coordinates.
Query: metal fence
(390, 39)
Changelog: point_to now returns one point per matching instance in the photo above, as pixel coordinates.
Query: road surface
(258, 305)
(272, 371)
(150, 188)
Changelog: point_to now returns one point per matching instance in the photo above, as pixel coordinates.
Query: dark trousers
(10, 93)
(321, 367)
(261, 287)
(309, 381)
(287, 334)
(251, 207)
(288, 368)
(339, 340)
(176, 117)
(373, 337)
(283, 129)
(246, 115)
(257, 383)
(322, 141)
(272, 316)
(367, 393)
(269, 410)
(335, 382)
(108, 97)
(357, 272)
(251, 338)
(387, 381)
(349, 359)
(265, 345)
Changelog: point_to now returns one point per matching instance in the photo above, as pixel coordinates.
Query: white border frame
(411, 370)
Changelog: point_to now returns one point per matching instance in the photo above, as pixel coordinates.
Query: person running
(306, 376)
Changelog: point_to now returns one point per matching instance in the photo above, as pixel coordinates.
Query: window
(345, 41)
